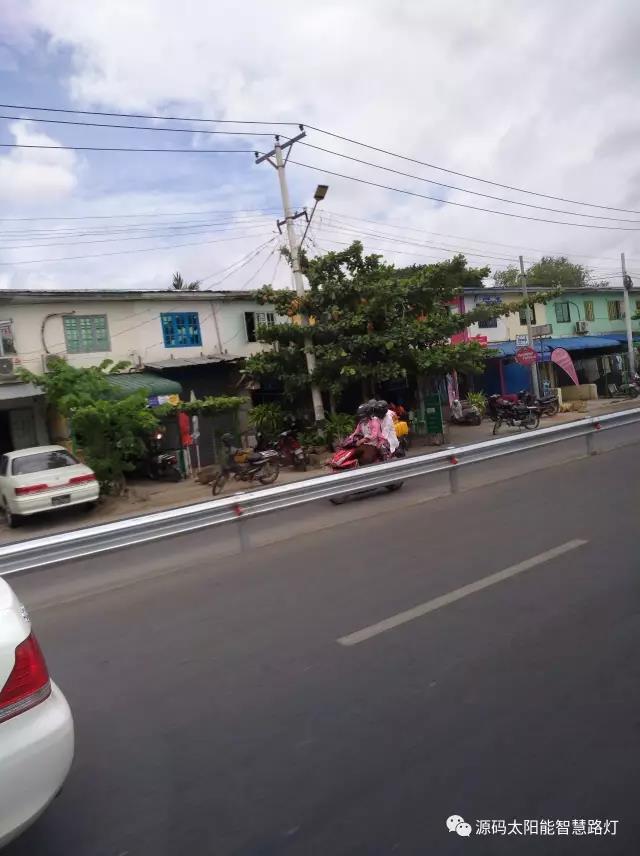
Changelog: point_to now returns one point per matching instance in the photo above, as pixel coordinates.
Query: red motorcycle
(346, 459)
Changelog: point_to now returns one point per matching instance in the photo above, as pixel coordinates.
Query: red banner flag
(562, 358)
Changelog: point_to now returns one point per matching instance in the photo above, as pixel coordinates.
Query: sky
(542, 96)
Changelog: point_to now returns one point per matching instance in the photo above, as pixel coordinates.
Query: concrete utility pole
(527, 313)
(627, 285)
(280, 164)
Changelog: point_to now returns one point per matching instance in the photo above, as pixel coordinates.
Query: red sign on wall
(481, 340)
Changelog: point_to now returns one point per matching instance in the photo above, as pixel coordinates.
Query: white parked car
(36, 726)
(41, 479)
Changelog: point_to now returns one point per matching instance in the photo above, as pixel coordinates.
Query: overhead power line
(324, 131)
(146, 214)
(141, 115)
(121, 238)
(395, 225)
(124, 252)
(469, 176)
(127, 149)
(136, 127)
(461, 204)
(464, 190)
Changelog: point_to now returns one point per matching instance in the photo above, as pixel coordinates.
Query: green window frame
(86, 334)
(563, 313)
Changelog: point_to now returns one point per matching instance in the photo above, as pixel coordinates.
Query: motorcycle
(548, 405)
(247, 465)
(161, 465)
(463, 413)
(516, 415)
(344, 459)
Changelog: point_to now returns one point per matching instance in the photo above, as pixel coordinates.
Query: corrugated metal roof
(184, 362)
(152, 384)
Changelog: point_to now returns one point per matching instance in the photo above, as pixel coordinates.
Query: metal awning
(569, 343)
(9, 391)
(152, 384)
(185, 362)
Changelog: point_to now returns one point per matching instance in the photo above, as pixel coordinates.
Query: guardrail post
(590, 446)
(454, 485)
(245, 543)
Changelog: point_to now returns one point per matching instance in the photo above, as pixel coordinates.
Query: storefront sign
(562, 358)
(522, 340)
(483, 341)
(526, 356)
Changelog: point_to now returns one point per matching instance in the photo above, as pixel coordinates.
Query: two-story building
(187, 343)
(588, 323)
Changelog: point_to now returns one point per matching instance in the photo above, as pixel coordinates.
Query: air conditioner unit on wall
(7, 369)
(582, 327)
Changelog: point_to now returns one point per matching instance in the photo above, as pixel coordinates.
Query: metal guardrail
(79, 543)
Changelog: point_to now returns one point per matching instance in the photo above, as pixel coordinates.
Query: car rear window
(42, 461)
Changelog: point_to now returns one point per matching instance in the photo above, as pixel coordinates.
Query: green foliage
(111, 435)
(180, 285)
(268, 419)
(550, 272)
(209, 406)
(479, 400)
(313, 438)
(373, 323)
(68, 388)
(338, 426)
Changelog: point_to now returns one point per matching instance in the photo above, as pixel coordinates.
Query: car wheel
(90, 506)
(12, 520)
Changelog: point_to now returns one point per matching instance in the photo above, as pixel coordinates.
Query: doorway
(6, 442)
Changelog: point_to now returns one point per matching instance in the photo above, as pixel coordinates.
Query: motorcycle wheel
(532, 421)
(477, 420)
(269, 473)
(553, 409)
(496, 425)
(219, 484)
(633, 392)
(174, 474)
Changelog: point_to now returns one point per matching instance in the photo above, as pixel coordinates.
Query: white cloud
(42, 175)
(534, 95)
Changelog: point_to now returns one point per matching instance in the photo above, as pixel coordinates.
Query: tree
(549, 272)
(111, 433)
(372, 322)
(180, 285)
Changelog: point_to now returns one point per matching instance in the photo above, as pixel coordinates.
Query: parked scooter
(630, 389)
(161, 465)
(246, 465)
(290, 450)
(463, 413)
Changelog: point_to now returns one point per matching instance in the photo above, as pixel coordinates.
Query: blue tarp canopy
(569, 343)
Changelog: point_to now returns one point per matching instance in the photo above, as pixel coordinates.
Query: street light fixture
(319, 195)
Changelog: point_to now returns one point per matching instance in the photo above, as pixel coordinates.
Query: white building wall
(135, 331)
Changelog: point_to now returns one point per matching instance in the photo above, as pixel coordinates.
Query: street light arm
(309, 219)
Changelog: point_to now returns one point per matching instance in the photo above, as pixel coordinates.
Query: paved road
(225, 706)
